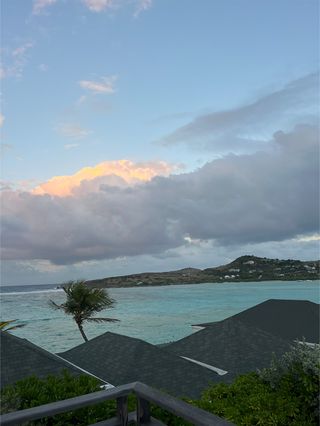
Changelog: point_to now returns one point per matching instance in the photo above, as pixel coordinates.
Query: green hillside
(244, 268)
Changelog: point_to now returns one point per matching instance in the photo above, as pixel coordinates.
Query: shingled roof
(21, 358)
(231, 345)
(289, 319)
(120, 359)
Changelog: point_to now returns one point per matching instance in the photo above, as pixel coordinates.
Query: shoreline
(169, 311)
(131, 285)
(246, 268)
(6, 289)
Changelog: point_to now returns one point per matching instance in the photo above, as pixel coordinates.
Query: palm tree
(4, 325)
(83, 302)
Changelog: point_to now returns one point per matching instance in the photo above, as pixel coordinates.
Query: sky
(153, 135)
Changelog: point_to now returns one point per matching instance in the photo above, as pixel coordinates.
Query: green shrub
(251, 401)
(167, 418)
(287, 393)
(33, 391)
(297, 373)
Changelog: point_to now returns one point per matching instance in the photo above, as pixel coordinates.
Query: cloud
(81, 100)
(72, 131)
(1, 119)
(39, 6)
(5, 185)
(21, 50)
(248, 127)
(236, 200)
(105, 86)
(103, 5)
(43, 67)
(70, 145)
(308, 238)
(5, 148)
(204, 256)
(98, 5)
(116, 173)
(21, 185)
(141, 6)
(15, 61)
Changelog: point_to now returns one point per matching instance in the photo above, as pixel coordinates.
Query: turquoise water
(154, 314)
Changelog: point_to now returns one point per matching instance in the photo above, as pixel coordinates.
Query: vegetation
(298, 371)
(33, 391)
(83, 303)
(244, 268)
(6, 325)
(285, 394)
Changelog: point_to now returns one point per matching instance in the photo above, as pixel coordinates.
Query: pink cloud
(105, 86)
(128, 172)
(98, 5)
(40, 5)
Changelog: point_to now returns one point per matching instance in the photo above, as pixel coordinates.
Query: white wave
(16, 293)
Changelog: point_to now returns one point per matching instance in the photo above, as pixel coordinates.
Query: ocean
(154, 314)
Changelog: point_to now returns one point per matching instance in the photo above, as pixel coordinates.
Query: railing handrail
(176, 406)
(64, 405)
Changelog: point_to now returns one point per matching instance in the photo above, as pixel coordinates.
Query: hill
(244, 268)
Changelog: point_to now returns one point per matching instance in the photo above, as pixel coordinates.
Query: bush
(168, 418)
(251, 401)
(287, 393)
(33, 391)
(297, 373)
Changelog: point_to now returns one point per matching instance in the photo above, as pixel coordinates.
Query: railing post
(143, 411)
(122, 410)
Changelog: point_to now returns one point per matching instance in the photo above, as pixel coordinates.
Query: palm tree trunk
(81, 331)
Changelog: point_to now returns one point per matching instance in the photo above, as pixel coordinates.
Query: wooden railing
(144, 394)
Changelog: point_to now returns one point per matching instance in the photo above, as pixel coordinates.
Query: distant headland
(245, 268)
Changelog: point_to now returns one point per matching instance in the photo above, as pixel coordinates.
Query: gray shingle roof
(231, 345)
(21, 358)
(120, 359)
(289, 319)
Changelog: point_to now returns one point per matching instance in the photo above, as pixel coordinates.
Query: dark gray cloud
(246, 128)
(261, 197)
(196, 254)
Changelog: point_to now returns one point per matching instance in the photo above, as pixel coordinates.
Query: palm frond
(15, 327)
(55, 305)
(102, 319)
(4, 324)
(83, 302)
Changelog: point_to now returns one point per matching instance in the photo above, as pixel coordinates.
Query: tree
(4, 325)
(83, 302)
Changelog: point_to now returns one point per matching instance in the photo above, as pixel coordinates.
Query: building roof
(120, 359)
(21, 358)
(289, 319)
(231, 345)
